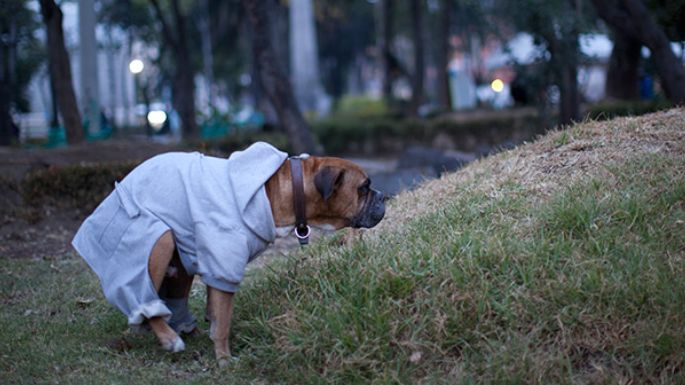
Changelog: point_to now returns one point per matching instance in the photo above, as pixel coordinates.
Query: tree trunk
(54, 108)
(183, 77)
(207, 52)
(88, 71)
(261, 102)
(184, 95)
(279, 33)
(304, 59)
(569, 109)
(564, 56)
(632, 18)
(60, 71)
(387, 16)
(6, 123)
(123, 76)
(623, 74)
(444, 99)
(419, 65)
(565, 51)
(276, 85)
(110, 50)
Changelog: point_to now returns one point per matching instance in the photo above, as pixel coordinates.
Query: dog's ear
(327, 180)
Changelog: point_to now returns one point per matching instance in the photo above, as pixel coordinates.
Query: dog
(178, 215)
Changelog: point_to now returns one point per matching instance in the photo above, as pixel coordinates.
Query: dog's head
(346, 194)
(338, 193)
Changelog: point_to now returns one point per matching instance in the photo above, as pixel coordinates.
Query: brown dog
(336, 194)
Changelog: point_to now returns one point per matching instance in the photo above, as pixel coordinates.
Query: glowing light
(136, 66)
(156, 118)
(497, 85)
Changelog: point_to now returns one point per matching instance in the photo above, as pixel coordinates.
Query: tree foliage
(22, 53)
(633, 18)
(345, 31)
(555, 26)
(671, 15)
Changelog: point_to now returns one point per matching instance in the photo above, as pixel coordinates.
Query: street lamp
(497, 85)
(156, 119)
(136, 66)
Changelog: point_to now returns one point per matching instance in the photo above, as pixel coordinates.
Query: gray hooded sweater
(216, 208)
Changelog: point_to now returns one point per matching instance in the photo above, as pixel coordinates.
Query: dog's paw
(226, 361)
(174, 346)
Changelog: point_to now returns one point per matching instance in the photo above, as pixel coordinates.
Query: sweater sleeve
(222, 256)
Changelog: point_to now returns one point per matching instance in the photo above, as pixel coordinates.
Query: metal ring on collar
(306, 235)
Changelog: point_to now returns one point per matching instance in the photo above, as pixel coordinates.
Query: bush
(352, 134)
(76, 186)
(238, 140)
(360, 106)
(614, 109)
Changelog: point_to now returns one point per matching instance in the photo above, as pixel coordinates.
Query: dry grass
(549, 164)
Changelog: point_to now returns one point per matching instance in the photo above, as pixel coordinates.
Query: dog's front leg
(220, 312)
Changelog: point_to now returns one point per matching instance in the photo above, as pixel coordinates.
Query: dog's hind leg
(160, 257)
(175, 291)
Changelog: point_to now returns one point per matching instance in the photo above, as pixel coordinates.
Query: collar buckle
(302, 230)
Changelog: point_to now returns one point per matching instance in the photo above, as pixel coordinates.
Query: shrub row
(613, 109)
(349, 134)
(79, 186)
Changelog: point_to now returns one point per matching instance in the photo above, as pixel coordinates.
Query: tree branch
(632, 18)
(166, 31)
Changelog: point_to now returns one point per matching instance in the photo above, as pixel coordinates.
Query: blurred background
(409, 88)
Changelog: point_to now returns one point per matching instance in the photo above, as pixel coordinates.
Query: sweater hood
(248, 171)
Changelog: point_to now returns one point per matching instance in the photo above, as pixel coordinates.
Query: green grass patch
(592, 288)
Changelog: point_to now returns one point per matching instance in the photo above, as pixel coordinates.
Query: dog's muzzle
(372, 212)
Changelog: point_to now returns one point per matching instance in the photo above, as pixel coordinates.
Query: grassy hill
(559, 262)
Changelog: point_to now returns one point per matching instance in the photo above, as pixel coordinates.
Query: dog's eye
(364, 189)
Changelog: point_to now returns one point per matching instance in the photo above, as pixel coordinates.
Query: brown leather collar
(302, 230)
